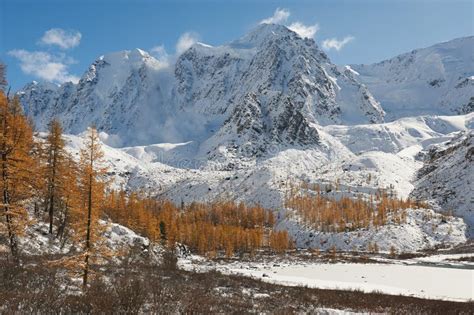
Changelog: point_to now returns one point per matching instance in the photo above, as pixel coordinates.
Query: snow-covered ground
(440, 276)
(407, 278)
(451, 259)
(37, 241)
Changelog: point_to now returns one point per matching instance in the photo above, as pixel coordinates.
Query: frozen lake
(430, 277)
(412, 280)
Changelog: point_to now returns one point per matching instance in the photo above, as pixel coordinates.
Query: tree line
(346, 214)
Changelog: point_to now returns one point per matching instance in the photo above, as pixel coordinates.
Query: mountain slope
(447, 177)
(438, 80)
(358, 172)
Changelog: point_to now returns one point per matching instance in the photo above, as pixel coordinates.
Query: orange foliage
(346, 214)
(17, 169)
(206, 228)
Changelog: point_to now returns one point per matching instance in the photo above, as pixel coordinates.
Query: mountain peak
(136, 55)
(272, 27)
(263, 33)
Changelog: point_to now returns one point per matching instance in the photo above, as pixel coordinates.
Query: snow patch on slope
(423, 229)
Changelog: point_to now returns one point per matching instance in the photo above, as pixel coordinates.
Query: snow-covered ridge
(393, 137)
(116, 91)
(436, 80)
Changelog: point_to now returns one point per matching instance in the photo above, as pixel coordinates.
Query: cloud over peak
(185, 41)
(280, 16)
(160, 53)
(305, 31)
(62, 38)
(334, 43)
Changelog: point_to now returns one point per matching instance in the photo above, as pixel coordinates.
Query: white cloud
(52, 68)
(48, 66)
(280, 16)
(185, 41)
(62, 38)
(304, 30)
(334, 43)
(160, 53)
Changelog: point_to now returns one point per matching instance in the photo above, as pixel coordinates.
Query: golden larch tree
(17, 168)
(92, 189)
(70, 198)
(55, 170)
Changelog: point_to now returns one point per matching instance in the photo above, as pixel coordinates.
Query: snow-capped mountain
(438, 80)
(270, 84)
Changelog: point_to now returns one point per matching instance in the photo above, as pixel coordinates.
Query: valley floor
(443, 277)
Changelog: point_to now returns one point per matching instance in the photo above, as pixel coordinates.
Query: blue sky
(57, 40)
